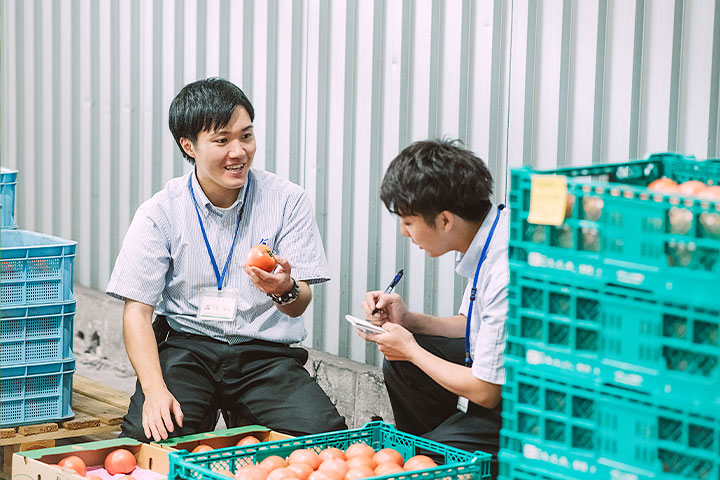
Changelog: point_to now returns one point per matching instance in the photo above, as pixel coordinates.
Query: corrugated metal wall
(339, 88)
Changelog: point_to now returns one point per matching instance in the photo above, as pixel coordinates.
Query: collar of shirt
(204, 201)
(467, 262)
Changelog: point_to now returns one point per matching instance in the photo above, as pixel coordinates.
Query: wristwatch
(287, 298)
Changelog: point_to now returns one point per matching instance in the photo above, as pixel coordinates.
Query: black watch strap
(287, 298)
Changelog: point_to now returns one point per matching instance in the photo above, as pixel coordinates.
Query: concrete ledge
(356, 389)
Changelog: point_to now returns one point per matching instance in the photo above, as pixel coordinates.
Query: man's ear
(445, 220)
(188, 147)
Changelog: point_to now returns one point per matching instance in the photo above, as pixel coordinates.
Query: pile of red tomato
(356, 462)
(680, 218)
(117, 461)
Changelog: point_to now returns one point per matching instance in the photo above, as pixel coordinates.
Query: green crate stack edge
(37, 310)
(453, 464)
(613, 354)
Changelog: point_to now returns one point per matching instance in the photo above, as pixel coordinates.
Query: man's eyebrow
(227, 132)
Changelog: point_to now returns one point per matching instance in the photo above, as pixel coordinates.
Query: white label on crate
(632, 278)
(536, 259)
(632, 379)
(618, 475)
(532, 452)
(535, 357)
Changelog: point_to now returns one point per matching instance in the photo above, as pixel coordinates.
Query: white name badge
(217, 305)
(462, 404)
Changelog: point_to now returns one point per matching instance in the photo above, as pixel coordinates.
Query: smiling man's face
(223, 158)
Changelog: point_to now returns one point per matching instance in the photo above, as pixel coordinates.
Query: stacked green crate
(613, 351)
(36, 322)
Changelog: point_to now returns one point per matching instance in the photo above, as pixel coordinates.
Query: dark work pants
(262, 382)
(424, 408)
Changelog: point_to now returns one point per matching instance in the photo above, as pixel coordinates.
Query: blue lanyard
(220, 278)
(473, 291)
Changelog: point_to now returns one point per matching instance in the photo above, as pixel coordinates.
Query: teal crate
(513, 467)
(455, 465)
(8, 180)
(620, 232)
(600, 432)
(563, 324)
(35, 268)
(36, 393)
(36, 334)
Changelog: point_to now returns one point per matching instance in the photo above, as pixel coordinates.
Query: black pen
(390, 287)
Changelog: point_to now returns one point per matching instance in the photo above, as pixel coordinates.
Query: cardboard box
(221, 438)
(38, 464)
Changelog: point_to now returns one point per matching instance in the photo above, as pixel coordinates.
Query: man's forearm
(450, 327)
(142, 350)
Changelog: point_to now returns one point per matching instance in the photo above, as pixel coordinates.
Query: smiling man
(222, 332)
(444, 374)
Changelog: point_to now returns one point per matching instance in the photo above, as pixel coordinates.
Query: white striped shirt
(488, 330)
(164, 261)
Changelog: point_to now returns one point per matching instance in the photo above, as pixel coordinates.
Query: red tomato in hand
(261, 256)
(75, 463)
(120, 461)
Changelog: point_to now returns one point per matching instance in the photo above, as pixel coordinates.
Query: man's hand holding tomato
(279, 282)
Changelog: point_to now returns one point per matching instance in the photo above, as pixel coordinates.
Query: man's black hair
(431, 176)
(205, 105)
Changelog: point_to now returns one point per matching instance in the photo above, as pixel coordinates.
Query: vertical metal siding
(339, 88)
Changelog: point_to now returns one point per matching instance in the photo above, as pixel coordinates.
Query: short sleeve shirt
(488, 331)
(164, 261)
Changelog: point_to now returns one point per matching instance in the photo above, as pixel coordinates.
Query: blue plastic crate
(456, 464)
(8, 180)
(600, 432)
(619, 232)
(35, 334)
(36, 393)
(563, 324)
(35, 268)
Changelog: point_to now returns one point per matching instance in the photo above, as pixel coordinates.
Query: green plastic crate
(566, 325)
(513, 467)
(600, 432)
(457, 464)
(629, 240)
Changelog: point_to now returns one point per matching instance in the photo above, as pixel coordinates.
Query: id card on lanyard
(218, 304)
(462, 404)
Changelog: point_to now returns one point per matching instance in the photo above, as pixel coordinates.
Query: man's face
(430, 238)
(223, 157)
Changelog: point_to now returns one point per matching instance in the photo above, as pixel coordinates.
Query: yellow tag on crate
(548, 199)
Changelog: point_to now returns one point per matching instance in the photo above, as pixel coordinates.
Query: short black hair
(205, 105)
(432, 176)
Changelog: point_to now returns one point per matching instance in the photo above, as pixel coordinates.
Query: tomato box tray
(222, 438)
(218, 464)
(566, 325)
(599, 432)
(152, 461)
(615, 229)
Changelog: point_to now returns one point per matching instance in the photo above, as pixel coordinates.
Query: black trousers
(263, 383)
(422, 407)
